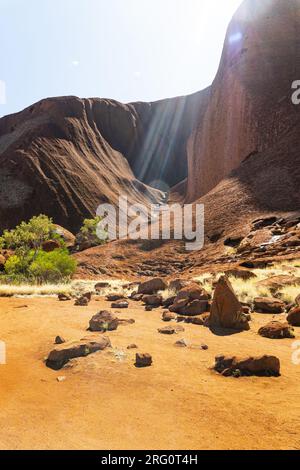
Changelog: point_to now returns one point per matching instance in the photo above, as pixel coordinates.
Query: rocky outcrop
(248, 108)
(226, 310)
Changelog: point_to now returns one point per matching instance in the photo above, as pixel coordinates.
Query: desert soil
(106, 403)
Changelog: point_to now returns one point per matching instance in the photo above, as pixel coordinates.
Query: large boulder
(293, 317)
(268, 305)
(152, 286)
(277, 330)
(261, 366)
(61, 355)
(226, 310)
(104, 321)
(191, 301)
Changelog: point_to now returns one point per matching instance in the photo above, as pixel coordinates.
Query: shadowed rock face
(249, 109)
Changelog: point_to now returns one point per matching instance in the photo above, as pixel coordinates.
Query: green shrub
(52, 267)
(29, 260)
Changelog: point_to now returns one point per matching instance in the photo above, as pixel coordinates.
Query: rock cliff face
(64, 156)
(249, 108)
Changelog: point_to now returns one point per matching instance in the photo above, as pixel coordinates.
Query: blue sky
(128, 50)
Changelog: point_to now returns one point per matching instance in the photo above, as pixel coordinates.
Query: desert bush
(29, 261)
(52, 267)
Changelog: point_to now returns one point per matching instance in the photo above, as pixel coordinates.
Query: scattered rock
(101, 285)
(64, 353)
(50, 246)
(132, 346)
(293, 317)
(297, 300)
(226, 310)
(204, 347)
(268, 305)
(277, 330)
(137, 297)
(143, 360)
(260, 366)
(154, 300)
(115, 297)
(64, 297)
(190, 301)
(152, 286)
(104, 321)
(121, 304)
(148, 308)
(178, 284)
(182, 343)
(66, 235)
(61, 379)
(82, 302)
(170, 330)
(59, 340)
(168, 316)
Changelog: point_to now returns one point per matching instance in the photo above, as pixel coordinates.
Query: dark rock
(152, 286)
(276, 330)
(268, 305)
(153, 300)
(143, 360)
(120, 304)
(64, 353)
(59, 340)
(293, 317)
(64, 297)
(104, 321)
(50, 246)
(261, 366)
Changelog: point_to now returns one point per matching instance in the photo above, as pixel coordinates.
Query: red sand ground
(178, 403)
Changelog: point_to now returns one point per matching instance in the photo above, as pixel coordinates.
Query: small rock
(101, 285)
(104, 321)
(148, 308)
(114, 297)
(137, 297)
(293, 317)
(64, 297)
(154, 300)
(168, 330)
(50, 245)
(143, 360)
(277, 330)
(152, 286)
(132, 346)
(182, 343)
(204, 347)
(61, 379)
(120, 304)
(168, 316)
(82, 302)
(59, 340)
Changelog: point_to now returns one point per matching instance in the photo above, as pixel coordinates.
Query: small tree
(29, 259)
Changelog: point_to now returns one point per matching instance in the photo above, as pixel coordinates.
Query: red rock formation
(248, 109)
